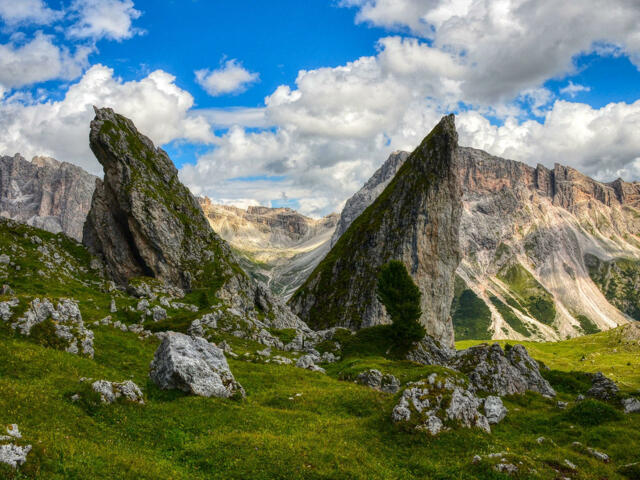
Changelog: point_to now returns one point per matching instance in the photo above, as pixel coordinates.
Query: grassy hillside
(294, 424)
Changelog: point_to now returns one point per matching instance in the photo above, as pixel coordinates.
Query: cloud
(230, 78)
(60, 129)
(509, 46)
(572, 89)
(96, 19)
(15, 12)
(38, 61)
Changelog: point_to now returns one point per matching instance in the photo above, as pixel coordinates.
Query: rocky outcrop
(278, 246)
(562, 232)
(435, 404)
(603, 388)
(145, 223)
(415, 220)
(45, 193)
(58, 326)
(193, 365)
(368, 193)
(494, 371)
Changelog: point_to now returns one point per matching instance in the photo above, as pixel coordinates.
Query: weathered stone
(375, 379)
(158, 313)
(491, 370)
(14, 455)
(5, 308)
(631, 405)
(193, 365)
(308, 362)
(494, 409)
(343, 287)
(112, 307)
(602, 387)
(430, 352)
(5, 259)
(110, 392)
(463, 408)
(67, 323)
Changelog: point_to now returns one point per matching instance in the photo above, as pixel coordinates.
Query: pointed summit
(415, 220)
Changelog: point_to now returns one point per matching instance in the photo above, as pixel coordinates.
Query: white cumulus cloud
(230, 78)
(60, 129)
(96, 19)
(39, 60)
(14, 12)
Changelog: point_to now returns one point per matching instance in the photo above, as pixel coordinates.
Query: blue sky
(290, 103)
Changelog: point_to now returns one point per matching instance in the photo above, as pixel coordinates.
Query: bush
(401, 298)
(592, 412)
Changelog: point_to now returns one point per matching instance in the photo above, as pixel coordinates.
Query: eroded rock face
(66, 322)
(144, 222)
(193, 365)
(45, 193)
(544, 220)
(493, 371)
(415, 220)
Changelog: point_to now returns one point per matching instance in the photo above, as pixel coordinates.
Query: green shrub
(567, 382)
(591, 413)
(401, 298)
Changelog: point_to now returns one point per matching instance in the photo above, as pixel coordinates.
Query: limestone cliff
(525, 233)
(144, 222)
(415, 220)
(45, 193)
(278, 246)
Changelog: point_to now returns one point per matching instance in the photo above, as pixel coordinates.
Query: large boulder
(430, 352)
(375, 379)
(415, 220)
(492, 370)
(193, 365)
(602, 387)
(64, 321)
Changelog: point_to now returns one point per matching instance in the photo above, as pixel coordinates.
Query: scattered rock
(494, 409)
(570, 464)
(562, 405)
(506, 468)
(431, 403)
(143, 305)
(631, 405)
(5, 308)
(308, 362)
(264, 353)
(67, 324)
(112, 391)
(6, 290)
(602, 387)
(113, 308)
(14, 455)
(5, 259)
(158, 313)
(599, 455)
(493, 371)
(193, 365)
(375, 379)
(278, 360)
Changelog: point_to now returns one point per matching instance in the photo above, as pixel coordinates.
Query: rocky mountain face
(415, 220)
(277, 246)
(367, 194)
(144, 223)
(548, 253)
(45, 193)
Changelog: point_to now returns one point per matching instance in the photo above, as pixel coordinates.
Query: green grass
(510, 317)
(335, 429)
(470, 315)
(537, 301)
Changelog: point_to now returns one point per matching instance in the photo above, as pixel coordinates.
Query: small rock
(562, 405)
(631, 405)
(113, 308)
(506, 468)
(111, 391)
(4, 258)
(308, 363)
(158, 313)
(476, 459)
(494, 409)
(14, 455)
(375, 379)
(143, 305)
(264, 353)
(279, 360)
(541, 440)
(599, 455)
(580, 398)
(570, 464)
(602, 387)
(7, 290)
